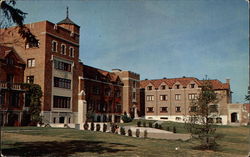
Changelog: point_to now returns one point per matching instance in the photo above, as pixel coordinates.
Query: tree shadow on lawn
(64, 148)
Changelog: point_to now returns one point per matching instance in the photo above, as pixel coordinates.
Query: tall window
(178, 109)
(10, 78)
(54, 46)
(149, 88)
(134, 84)
(134, 95)
(62, 83)
(150, 97)
(71, 52)
(163, 97)
(30, 79)
(192, 96)
(177, 97)
(61, 102)
(163, 87)
(63, 49)
(62, 65)
(31, 62)
(164, 109)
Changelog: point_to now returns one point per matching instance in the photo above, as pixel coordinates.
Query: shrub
(144, 124)
(129, 132)
(168, 129)
(92, 127)
(122, 131)
(104, 129)
(126, 119)
(137, 133)
(113, 128)
(86, 126)
(160, 127)
(139, 123)
(145, 133)
(156, 125)
(150, 124)
(174, 129)
(98, 127)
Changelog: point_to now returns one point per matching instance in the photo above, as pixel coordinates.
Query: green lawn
(32, 141)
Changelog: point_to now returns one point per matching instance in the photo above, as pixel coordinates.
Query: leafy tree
(15, 16)
(203, 111)
(33, 101)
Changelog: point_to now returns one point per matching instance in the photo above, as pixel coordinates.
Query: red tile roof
(184, 82)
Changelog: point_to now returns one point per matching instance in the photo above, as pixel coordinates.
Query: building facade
(169, 99)
(131, 92)
(12, 95)
(53, 64)
(103, 94)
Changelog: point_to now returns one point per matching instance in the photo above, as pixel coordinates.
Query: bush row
(157, 126)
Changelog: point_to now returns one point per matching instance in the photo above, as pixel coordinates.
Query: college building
(170, 99)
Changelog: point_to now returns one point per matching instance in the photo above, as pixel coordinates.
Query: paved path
(158, 134)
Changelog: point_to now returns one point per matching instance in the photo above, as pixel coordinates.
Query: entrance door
(234, 117)
(61, 120)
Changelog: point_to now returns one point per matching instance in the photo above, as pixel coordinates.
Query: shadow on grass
(64, 148)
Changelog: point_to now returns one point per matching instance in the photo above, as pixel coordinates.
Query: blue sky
(159, 38)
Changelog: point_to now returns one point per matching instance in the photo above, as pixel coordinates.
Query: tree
(203, 110)
(33, 101)
(15, 16)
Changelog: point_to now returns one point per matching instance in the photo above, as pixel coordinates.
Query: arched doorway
(234, 118)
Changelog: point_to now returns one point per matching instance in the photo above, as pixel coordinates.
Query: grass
(32, 141)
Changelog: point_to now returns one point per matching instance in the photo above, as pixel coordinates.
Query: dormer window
(54, 46)
(192, 85)
(71, 52)
(149, 88)
(163, 87)
(177, 86)
(63, 49)
(9, 61)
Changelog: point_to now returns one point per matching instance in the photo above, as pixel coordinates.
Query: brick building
(169, 99)
(53, 64)
(12, 95)
(103, 94)
(131, 92)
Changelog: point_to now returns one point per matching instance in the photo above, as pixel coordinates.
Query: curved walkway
(158, 134)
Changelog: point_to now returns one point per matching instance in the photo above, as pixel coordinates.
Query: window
(178, 118)
(62, 83)
(10, 78)
(163, 97)
(31, 62)
(218, 120)
(163, 87)
(134, 84)
(107, 92)
(177, 86)
(96, 90)
(9, 61)
(192, 96)
(14, 99)
(164, 109)
(71, 52)
(2, 98)
(192, 85)
(178, 109)
(149, 88)
(62, 66)
(213, 108)
(134, 95)
(30, 79)
(54, 46)
(117, 93)
(61, 102)
(177, 97)
(150, 109)
(32, 44)
(63, 49)
(150, 97)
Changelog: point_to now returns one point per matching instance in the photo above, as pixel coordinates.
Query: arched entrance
(234, 118)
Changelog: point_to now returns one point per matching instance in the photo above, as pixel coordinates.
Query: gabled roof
(5, 51)
(184, 82)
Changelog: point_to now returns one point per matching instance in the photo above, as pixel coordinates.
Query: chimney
(228, 80)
